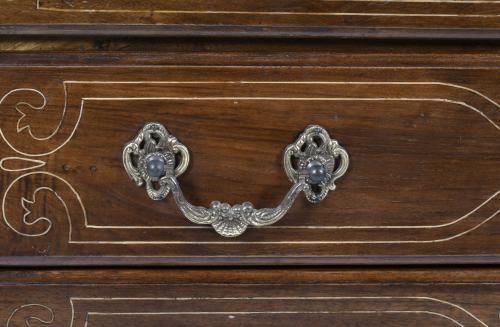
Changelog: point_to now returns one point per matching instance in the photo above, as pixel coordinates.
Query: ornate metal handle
(311, 163)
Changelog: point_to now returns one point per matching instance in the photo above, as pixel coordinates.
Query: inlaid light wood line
(386, 284)
(26, 306)
(315, 99)
(27, 211)
(264, 13)
(28, 127)
(324, 298)
(298, 242)
(66, 83)
(260, 256)
(37, 164)
(295, 99)
(322, 227)
(19, 127)
(249, 313)
(315, 227)
(457, 86)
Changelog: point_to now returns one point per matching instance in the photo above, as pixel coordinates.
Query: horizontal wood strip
(311, 18)
(439, 297)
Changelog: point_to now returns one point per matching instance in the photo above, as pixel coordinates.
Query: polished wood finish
(236, 81)
(267, 297)
(276, 18)
(422, 131)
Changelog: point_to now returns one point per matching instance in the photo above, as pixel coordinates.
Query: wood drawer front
(422, 187)
(304, 18)
(251, 298)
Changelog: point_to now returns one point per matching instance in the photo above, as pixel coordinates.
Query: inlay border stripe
(83, 317)
(39, 6)
(474, 320)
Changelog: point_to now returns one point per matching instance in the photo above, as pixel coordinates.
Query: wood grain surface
(305, 18)
(422, 131)
(438, 297)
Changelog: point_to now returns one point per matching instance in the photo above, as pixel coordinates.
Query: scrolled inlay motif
(29, 103)
(26, 101)
(68, 198)
(24, 315)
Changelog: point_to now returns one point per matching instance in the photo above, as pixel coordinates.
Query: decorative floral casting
(154, 142)
(231, 220)
(315, 148)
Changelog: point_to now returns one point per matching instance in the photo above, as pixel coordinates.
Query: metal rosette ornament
(316, 159)
(151, 157)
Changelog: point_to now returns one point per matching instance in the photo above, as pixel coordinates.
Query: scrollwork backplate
(315, 144)
(154, 139)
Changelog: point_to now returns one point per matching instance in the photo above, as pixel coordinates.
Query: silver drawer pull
(312, 163)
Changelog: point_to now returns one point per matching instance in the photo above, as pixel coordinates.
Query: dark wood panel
(250, 298)
(422, 132)
(371, 18)
(162, 47)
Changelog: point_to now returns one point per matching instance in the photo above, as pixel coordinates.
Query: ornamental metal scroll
(312, 163)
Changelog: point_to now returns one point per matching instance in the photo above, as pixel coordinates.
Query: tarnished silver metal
(154, 140)
(157, 158)
(315, 145)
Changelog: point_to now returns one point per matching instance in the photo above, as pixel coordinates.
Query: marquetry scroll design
(24, 101)
(68, 198)
(27, 102)
(25, 315)
(74, 215)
